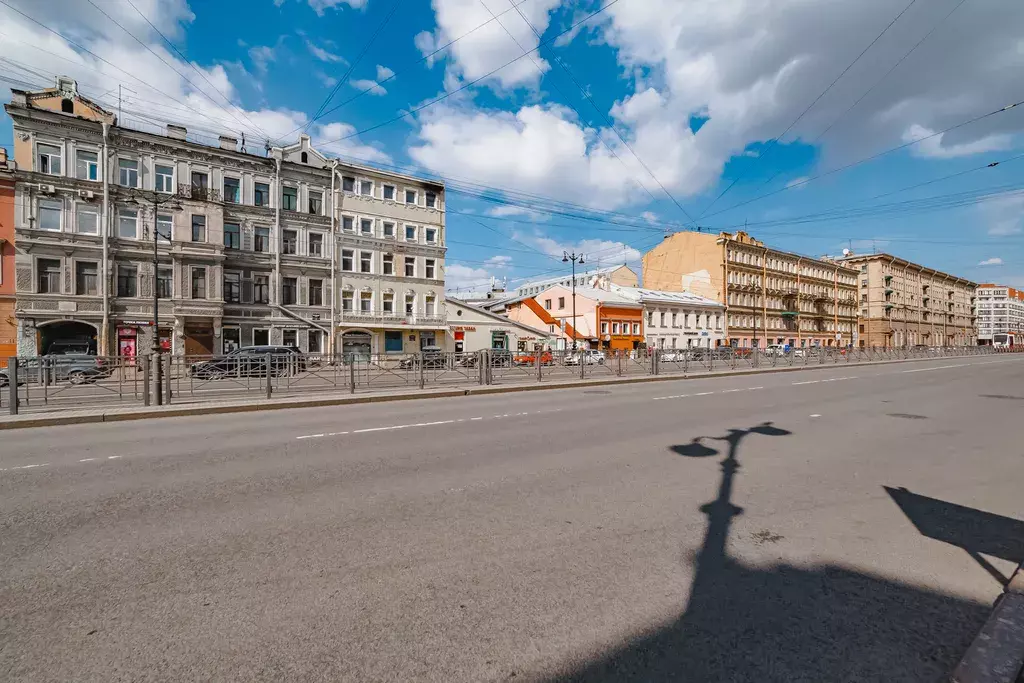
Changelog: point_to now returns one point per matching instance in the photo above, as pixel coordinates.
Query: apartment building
(8, 325)
(999, 310)
(906, 304)
(771, 296)
(290, 248)
(678, 320)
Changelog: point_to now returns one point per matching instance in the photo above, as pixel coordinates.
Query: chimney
(3, 156)
(175, 131)
(228, 142)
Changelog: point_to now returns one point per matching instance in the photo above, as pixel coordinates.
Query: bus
(1003, 341)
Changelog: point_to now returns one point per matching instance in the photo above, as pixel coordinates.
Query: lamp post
(567, 257)
(167, 202)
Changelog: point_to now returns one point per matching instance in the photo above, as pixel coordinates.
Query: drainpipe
(799, 321)
(331, 340)
(105, 222)
(835, 305)
(892, 328)
(277, 230)
(725, 285)
(764, 296)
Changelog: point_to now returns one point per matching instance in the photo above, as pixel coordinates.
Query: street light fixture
(567, 257)
(167, 202)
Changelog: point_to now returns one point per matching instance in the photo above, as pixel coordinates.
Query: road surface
(823, 525)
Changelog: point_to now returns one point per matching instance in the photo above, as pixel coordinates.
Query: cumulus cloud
(594, 250)
(323, 54)
(1003, 216)
(996, 261)
(490, 46)
(508, 211)
(384, 73)
(499, 261)
(370, 86)
(321, 6)
(328, 81)
(797, 182)
(932, 147)
(458, 277)
(261, 56)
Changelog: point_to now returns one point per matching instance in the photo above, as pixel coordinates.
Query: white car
(586, 356)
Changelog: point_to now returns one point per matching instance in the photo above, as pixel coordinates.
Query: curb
(997, 653)
(287, 404)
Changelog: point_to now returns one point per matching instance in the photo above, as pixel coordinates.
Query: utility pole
(566, 257)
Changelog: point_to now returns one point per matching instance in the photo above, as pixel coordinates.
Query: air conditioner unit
(47, 189)
(86, 194)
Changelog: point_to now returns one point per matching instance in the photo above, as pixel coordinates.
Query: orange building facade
(621, 327)
(8, 324)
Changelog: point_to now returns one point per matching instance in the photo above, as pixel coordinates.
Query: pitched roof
(494, 316)
(659, 295)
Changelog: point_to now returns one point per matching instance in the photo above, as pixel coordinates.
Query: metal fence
(82, 382)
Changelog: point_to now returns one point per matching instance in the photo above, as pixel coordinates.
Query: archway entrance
(356, 345)
(68, 336)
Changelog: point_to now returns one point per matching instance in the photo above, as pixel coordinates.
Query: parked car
(250, 361)
(775, 350)
(585, 357)
(501, 358)
(73, 347)
(433, 357)
(530, 358)
(72, 368)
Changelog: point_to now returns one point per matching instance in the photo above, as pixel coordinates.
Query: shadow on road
(977, 532)
(788, 624)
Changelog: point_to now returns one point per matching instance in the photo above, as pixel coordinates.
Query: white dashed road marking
(940, 367)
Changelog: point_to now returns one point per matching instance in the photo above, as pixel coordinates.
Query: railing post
(540, 376)
(12, 384)
(618, 370)
(268, 365)
(583, 367)
(352, 375)
(167, 382)
(423, 379)
(157, 367)
(147, 386)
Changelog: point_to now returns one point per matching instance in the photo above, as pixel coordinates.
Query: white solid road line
(942, 367)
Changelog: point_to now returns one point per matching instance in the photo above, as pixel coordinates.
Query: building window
(316, 203)
(261, 289)
(128, 172)
(86, 165)
(289, 287)
(232, 288)
(127, 280)
(290, 338)
(428, 269)
(429, 305)
(410, 196)
(348, 260)
(232, 190)
(164, 283)
(410, 233)
(261, 243)
(365, 261)
(675, 319)
(261, 194)
(365, 302)
(636, 330)
(87, 221)
(348, 223)
(561, 303)
(662, 318)
(431, 198)
(49, 215)
(316, 292)
(316, 340)
(198, 228)
(290, 198)
(163, 178)
(388, 302)
(410, 304)
(348, 184)
(316, 244)
(389, 192)
(49, 159)
(431, 235)
(366, 226)
(366, 188)
(389, 231)
(232, 236)
(615, 328)
(86, 278)
(410, 266)
(199, 283)
(389, 264)
(547, 304)
(604, 327)
(164, 226)
(289, 242)
(346, 301)
(67, 106)
(304, 157)
(127, 224)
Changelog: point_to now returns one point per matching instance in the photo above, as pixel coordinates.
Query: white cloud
(261, 56)
(649, 216)
(321, 6)
(797, 182)
(324, 55)
(370, 86)
(384, 73)
(596, 251)
(507, 211)
(328, 81)
(489, 47)
(932, 147)
(1004, 215)
(499, 261)
(465, 278)
(996, 261)
(348, 148)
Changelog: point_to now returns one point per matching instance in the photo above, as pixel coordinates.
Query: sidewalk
(251, 404)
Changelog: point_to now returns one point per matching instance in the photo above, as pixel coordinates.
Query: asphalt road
(721, 529)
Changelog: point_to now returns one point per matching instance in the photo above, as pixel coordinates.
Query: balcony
(380, 318)
(199, 193)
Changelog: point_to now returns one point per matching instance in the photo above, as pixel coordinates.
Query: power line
(867, 159)
(468, 84)
(775, 140)
(194, 68)
(604, 116)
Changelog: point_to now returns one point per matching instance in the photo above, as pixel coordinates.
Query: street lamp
(167, 202)
(566, 257)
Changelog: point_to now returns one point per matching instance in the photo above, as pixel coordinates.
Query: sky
(596, 126)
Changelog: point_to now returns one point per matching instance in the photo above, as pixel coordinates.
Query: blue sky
(608, 134)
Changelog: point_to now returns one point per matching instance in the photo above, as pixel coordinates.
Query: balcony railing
(395, 318)
(199, 193)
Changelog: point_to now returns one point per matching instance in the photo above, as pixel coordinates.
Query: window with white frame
(636, 328)
(347, 298)
(431, 199)
(410, 266)
(389, 264)
(86, 165)
(316, 244)
(604, 327)
(348, 257)
(429, 305)
(365, 261)
(410, 233)
(198, 283)
(232, 190)
(87, 220)
(366, 187)
(164, 226)
(348, 184)
(128, 172)
(410, 196)
(388, 302)
(615, 328)
(429, 268)
(86, 278)
(48, 157)
(366, 226)
(128, 224)
(389, 192)
(389, 231)
(163, 178)
(365, 302)
(430, 234)
(410, 304)
(198, 228)
(49, 214)
(316, 203)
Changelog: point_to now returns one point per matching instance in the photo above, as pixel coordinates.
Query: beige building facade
(903, 304)
(771, 296)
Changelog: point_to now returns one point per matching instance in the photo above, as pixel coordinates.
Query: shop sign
(462, 328)
(142, 323)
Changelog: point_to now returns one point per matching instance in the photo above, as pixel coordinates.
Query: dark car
(502, 358)
(72, 368)
(251, 361)
(433, 357)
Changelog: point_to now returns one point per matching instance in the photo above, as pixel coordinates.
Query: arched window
(67, 106)
(305, 158)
